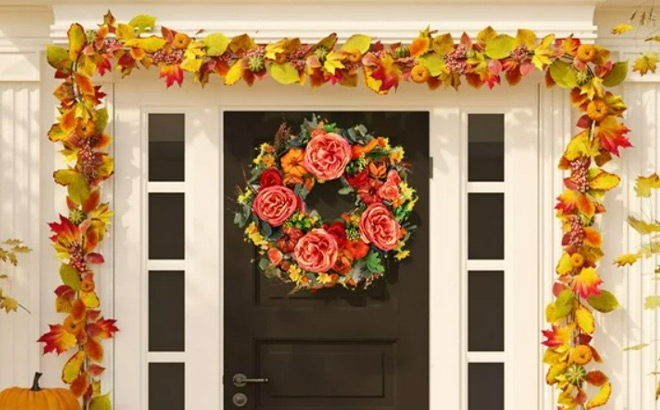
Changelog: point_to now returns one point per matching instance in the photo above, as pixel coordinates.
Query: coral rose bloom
(275, 204)
(378, 226)
(316, 251)
(326, 156)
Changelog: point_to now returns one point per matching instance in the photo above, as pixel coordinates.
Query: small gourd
(36, 398)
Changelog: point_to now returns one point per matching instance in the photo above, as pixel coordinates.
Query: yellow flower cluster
(253, 234)
(265, 157)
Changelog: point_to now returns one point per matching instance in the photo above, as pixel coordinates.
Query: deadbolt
(239, 400)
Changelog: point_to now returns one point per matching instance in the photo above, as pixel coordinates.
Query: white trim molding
(388, 22)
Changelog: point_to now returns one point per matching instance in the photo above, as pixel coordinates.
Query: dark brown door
(336, 349)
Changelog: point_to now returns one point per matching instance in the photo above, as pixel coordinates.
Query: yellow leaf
(333, 62)
(644, 228)
(652, 302)
(90, 299)
(358, 42)
(143, 23)
(242, 42)
(601, 398)
(77, 40)
(646, 184)
(150, 44)
(554, 371)
(627, 259)
(621, 28)
(125, 32)
(284, 73)
(216, 44)
(72, 367)
(8, 304)
(585, 319)
(486, 34)
(604, 180)
(191, 64)
(235, 73)
(526, 37)
(564, 265)
(648, 61)
(579, 146)
(87, 64)
(443, 44)
(372, 83)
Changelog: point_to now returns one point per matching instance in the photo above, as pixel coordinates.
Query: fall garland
(296, 244)
(432, 59)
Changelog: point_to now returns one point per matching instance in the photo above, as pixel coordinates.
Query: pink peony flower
(275, 204)
(378, 226)
(326, 155)
(316, 251)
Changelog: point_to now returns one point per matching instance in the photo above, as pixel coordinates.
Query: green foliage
(564, 74)
(604, 302)
(216, 44)
(374, 262)
(284, 73)
(617, 75)
(143, 23)
(358, 42)
(70, 276)
(500, 46)
(564, 303)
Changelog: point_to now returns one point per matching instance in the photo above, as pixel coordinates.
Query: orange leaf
(611, 134)
(419, 46)
(94, 350)
(601, 398)
(57, 340)
(592, 237)
(80, 385)
(68, 120)
(587, 283)
(596, 378)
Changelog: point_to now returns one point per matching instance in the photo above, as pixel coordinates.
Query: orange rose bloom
(378, 169)
(358, 249)
(344, 262)
(292, 180)
(292, 162)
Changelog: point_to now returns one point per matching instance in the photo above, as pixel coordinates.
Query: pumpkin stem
(35, 383)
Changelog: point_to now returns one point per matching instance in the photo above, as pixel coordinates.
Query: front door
(337, 348)
(455, 326)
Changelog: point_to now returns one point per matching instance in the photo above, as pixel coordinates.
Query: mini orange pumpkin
(36, 398)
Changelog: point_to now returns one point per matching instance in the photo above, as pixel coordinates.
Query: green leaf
(70, 276)
(564, 303)
(636, 347)
(78, 188)
(58, 58)
(605, 302)
(563, 74)
(77, 40)
(358, 42)
(143, 23)
(652, 302)
(345, 190)
(374, 263)
(101, 120)
(616, 76)
(284, 73)
(101, 403)
(500, 47)
(433, 62)
(216, 44)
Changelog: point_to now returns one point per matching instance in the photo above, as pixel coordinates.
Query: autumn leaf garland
(432, 59)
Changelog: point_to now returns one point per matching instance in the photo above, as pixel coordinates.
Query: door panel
(335, 349)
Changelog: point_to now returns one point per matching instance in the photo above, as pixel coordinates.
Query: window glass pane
(486, 147)
(166, 386)
(486, 226)
(166, 311)
(166, 226)
(166, 147)
(486, 386)
(485, 311)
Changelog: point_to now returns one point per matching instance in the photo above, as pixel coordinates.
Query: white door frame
(136, 96)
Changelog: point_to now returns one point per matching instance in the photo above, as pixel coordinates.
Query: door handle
(241, 380)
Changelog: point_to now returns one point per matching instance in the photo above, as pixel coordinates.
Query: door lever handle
(241, 380)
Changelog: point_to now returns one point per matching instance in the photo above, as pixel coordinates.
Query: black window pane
(166, 226)
(166, 311)
(485, 226)
(166, 147)
(486, 386)
(486, 147)
(166, 386)
(485, 311)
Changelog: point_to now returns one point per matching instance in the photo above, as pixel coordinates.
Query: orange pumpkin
(36, 398)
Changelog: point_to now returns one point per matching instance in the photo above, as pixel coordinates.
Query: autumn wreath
(295, 243)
